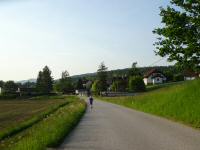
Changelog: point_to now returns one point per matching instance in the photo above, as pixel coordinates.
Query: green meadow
(45, 123)
(180, 102)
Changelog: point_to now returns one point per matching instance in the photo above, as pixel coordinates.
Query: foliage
(23, 118)
(50, 131)
(102, 77)
(178, 77)
(114, 86)
(169, 75)
(134, 71)
(79, 84)
(44, 81)
(119, 86)
(95, 87)
(179, 38)
(8, 96)
(136, 84)
(64, 85)
(10, 87)
(124, 72)
(1, 83)
(178, 102)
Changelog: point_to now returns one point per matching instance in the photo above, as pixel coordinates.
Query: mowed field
(179, 102)
(39, 122)
(13, 112)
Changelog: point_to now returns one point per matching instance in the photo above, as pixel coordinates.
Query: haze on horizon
(76, 35)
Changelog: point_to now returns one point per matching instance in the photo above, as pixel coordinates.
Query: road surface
(112, 127)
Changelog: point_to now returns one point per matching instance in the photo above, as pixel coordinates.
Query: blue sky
(76, 35)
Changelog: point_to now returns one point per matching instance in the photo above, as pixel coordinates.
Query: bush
(136, 84)
(178, 77)
(95, 87)
(6, 96)
(119, 86)
(10, 87)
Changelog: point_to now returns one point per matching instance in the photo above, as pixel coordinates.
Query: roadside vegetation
(17, 115)
(180, 102)
(38, 123)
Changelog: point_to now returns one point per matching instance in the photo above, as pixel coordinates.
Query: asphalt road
(112, 127)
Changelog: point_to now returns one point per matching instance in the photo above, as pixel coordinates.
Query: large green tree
(136, 84)
(95, 87)
(102, 77)
(79, 84)
(10, 87)
(134, 71)
(179, 38)
(45, 81)
(1, 83)
(64, 85)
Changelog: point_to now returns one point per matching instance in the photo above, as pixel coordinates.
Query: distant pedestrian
(91, 101)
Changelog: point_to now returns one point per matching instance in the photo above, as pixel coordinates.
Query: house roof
(150, 72)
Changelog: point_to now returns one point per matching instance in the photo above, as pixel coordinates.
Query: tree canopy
(134, 71)
(10, 87)
(79, 84)
(102, 77)
(64, 85)
(44, 81)
(179, 38)
(1, 83)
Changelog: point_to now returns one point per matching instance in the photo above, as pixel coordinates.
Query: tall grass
(50, 131)
(176, 102)
(29, 122)
(33, 111)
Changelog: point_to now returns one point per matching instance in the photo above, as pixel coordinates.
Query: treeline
(130, 79)
(124, 80)
(45, 85)
(171, 72)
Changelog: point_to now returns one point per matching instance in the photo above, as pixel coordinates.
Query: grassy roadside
(176, 102)
(50, 131)
(17, 115)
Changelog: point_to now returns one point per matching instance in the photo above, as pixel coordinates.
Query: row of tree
(133, 82)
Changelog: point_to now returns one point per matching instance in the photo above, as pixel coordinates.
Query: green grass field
(48, 120)
(179, 102)
(15, 115)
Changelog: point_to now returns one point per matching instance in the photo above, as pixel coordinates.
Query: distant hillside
(118, 72)
(29, 80)
(84, 75)
(121, 72)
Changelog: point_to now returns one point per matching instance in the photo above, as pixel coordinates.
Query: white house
(0, 90)
(154, 77)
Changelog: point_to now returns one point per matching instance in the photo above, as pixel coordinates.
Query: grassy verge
(50, 131)
(17, 115)
(176, 102)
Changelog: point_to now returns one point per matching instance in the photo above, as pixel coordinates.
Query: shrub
(136, 84)
(10, 87)
(96, 88)
(8, 96)
(178, 77)
(119, 86)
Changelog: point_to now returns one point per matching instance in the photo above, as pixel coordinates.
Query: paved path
(112, 127)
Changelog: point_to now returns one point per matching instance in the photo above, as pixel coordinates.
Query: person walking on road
(91, 101)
